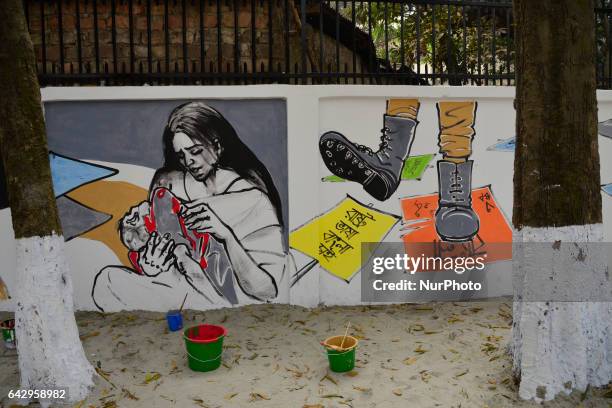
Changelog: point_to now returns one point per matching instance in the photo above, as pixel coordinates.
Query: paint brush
(183, 304)
(345, 333)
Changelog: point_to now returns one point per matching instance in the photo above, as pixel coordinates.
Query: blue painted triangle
(507, 145)
(69, 174)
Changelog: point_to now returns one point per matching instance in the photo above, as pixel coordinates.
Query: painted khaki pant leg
(407, 108)
(456, 121)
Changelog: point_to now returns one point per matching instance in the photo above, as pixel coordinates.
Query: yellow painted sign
(334, 238)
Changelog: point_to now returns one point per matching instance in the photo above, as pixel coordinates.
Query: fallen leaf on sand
(416, 327)
(352, 373)
(105, 376)
(313, 406)
(229, 396)
(420, 350)
(109, 404)
(398, 392)
(200, 402)
(461, 374)
(150, 377)
(256, 396)
(410, 360)
(454, 319)
(89, 335)
(330, 379)
(331, 396)
(362, 389)
(129, 395)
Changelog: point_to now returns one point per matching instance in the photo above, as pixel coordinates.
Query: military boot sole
(345, 161)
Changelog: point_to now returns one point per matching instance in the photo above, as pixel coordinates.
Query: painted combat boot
(455, 218)
(378, 172)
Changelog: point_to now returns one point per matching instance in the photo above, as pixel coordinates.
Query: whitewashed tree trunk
(560, 339)
(561, 311)
(51, 355)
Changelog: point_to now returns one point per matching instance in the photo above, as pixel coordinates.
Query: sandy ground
(434, 355)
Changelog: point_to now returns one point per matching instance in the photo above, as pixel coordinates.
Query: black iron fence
(427, 42)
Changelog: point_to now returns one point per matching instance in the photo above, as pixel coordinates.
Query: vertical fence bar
(253, 38)
(184, 35)
(114, 35)
(433, 43)
(166, 38)
(418, 40)
(508, 44)
(372, 52)
(465, 62)
(338, 41)
(449, 33)
(78, 34)
(609, 49)
(354, 37)
(60, 29)
(303, 41)
(479, 45)
(202, 43)
(402, 55)
(236, 6)
(287, 56)
(321, 43)
(219, 39)
(43, 43)
(494, 44)
(149, 40)
(131, 29)
(270, 38)
(387, 61)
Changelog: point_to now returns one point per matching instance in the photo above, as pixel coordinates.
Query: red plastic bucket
(204, 345)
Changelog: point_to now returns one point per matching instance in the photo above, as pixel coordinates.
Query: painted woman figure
(225, 193)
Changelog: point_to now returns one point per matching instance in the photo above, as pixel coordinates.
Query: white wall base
(50, 352)
(559, 346)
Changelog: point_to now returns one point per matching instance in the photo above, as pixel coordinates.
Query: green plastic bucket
(204, 345)
(341, 359)
(8, 333)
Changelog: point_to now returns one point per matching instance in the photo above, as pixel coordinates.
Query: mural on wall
(212, 223)
(506, 145)
(422, 237)
(4, 294)
(334, 238)
(605, 128)
(380, 171)
(455, 219)
(450, 222)
(187, 199)
(414, 167)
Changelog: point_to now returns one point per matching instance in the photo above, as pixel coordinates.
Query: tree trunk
(560, 342)
(50, 352)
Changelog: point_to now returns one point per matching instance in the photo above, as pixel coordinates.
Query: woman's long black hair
(205, 125)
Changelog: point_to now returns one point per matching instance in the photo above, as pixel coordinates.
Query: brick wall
(171, 46)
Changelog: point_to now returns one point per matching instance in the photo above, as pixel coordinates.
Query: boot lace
(456, 187)
(382, 147)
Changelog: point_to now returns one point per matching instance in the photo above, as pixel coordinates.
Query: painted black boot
(378, 172)
(455, 218)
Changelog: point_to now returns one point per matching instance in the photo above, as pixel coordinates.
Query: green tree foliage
(448, 39)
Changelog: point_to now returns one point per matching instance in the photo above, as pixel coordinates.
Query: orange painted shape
(4, 294)
(494, 237)
(114, 198)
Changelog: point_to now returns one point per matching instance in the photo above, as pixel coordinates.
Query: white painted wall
(356, 111)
